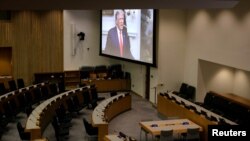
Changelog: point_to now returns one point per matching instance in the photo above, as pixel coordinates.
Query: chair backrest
(12, 85)
(20, 129)
(113, 93)
(193, 134)
(53, 89)
(90, 130)
(86, 97)
(183, 88)
(166, 135)
(94, 93)
(2, 88)
(20, 83)
(45, 91)
(85, 71)
(208, 99)
(100, 69)
(61, 86)
(191, 93)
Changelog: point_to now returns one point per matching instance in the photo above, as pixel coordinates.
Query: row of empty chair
(108, 109)
(172, 105)
(12, 86)
(230, 106)
(58, 110)
(186, 91)
(23, 100)
(198, 109)
(102, 71)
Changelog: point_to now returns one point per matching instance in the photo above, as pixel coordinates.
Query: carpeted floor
(127, 122)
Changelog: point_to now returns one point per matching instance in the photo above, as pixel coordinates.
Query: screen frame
(154, 54)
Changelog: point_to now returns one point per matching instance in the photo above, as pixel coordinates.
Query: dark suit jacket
(112, 44)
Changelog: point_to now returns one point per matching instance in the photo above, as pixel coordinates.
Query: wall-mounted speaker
(81, 35)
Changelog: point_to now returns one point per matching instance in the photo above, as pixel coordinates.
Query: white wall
(87, 52)
(171, 49)
(223, 79)
(220, 36)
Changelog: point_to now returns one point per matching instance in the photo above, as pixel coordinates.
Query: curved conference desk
(107, 110)
(42, 115)
(167, 104)
(14, 94)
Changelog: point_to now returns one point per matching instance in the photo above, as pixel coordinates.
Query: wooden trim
(171, 109)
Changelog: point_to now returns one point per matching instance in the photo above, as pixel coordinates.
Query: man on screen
(118, 43)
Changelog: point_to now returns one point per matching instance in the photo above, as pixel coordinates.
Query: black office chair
(61, 87)
(3, 122)
(21, 101)
(45, 92)
(20, 83)
(113, 93)
(37, 94)
(72, 107)
(53, 89)
(86, 97)
(60, 131)
(193, 134)
(23, 135)
(12, 85)
(145, 131)
(91, 132)
(182, 90)
(166, 135)
(2, 89)
(63, 115)
(190, 93)
(94, 98)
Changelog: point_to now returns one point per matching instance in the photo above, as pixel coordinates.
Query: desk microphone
(122, 135)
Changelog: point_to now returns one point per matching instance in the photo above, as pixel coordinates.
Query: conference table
(177, 125)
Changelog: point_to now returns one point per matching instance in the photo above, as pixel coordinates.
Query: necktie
(121, 44)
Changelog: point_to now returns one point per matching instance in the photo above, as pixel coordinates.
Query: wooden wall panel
(5, 33)
(37, 42)
(5, 61)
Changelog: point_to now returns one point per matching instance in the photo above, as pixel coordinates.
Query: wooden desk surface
(177, 125)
